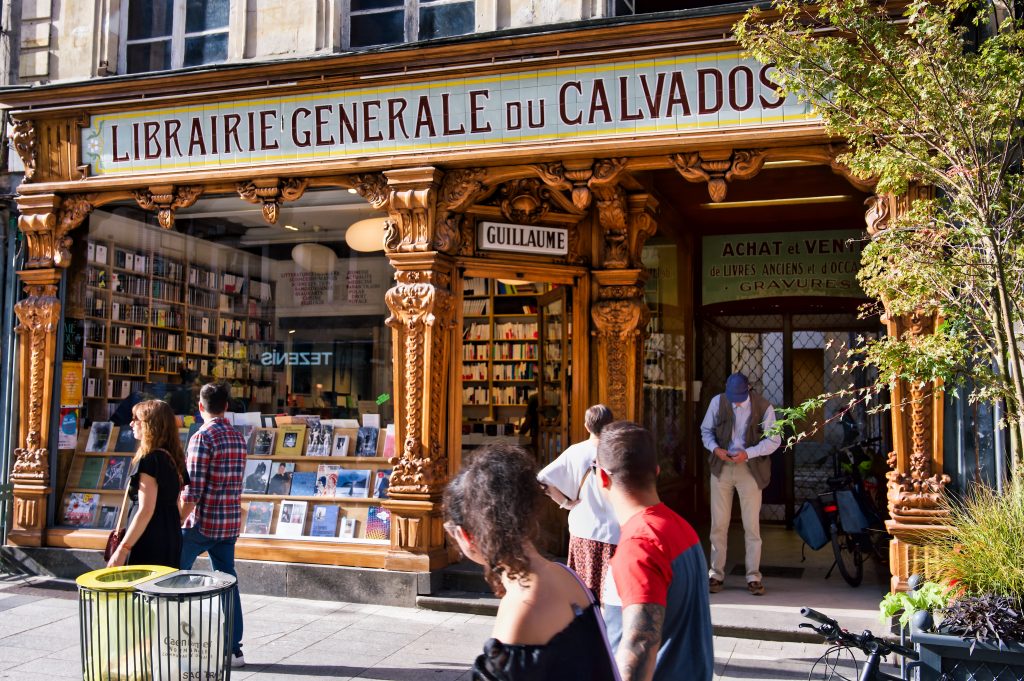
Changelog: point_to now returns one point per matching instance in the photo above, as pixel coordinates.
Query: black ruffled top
(579, 652)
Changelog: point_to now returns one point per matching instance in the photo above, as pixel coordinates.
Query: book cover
(341, 444)
(366, 442)
(281, 480)
(348, 528)
(107, 517)
(380, 484)
(116, 474)
(92, 468)
(353, 483)
(327, 479)
(99, 436)
(389, 441)
(259, 517)
(247, 432)
(319, 439)
(378, 523)
(325, 521)
(126, 441)
(290, 439)
(67, 437)
(257, 475)
(291, 519)
(80, 509)
(303, 484)
(263, 440)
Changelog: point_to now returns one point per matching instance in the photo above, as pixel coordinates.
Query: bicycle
(833, 663)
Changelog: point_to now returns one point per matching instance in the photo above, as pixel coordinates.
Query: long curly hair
(159, 430)
(496, 500)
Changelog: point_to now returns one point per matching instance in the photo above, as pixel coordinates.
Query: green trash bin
(189, 623)
(111, 622)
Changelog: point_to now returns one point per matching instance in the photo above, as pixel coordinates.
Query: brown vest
(760, 466)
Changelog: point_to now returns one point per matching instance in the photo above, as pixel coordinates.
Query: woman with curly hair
(153, 536)
(548, 626)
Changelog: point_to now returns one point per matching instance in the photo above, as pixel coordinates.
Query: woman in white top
(593, 530)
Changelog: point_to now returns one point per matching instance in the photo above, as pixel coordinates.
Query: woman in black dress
(548, 626)
(158, 473)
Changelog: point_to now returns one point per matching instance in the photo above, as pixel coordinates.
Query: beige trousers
(735, 476)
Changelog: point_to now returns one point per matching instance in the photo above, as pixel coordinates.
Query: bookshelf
(148, 316)
(96, 480)
(500, 354)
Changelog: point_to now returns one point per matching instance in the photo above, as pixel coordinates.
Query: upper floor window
(172, 34)
(387, 22)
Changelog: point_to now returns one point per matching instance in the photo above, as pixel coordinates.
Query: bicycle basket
(852, 514)
(810, 525)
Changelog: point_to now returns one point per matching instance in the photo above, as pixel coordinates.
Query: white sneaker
(237, 660)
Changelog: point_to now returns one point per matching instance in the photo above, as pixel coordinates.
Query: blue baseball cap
(737, 388)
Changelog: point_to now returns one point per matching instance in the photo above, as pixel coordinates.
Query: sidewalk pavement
(290, 639)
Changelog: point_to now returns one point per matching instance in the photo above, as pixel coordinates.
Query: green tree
(932, 95)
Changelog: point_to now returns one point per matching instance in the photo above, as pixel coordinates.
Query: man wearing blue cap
(733, 431)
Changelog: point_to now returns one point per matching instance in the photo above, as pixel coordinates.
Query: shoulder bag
(116, 535)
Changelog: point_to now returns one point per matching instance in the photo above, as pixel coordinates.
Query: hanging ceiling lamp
(366, 235)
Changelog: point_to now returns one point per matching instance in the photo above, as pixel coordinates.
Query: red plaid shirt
(216, 465)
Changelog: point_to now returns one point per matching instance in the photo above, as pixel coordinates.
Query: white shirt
(741, 418)
(592, 518)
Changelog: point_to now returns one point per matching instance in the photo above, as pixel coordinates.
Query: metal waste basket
(191, 617)
(112, 623)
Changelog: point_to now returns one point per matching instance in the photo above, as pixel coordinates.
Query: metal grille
(967, 670)
(755, 345)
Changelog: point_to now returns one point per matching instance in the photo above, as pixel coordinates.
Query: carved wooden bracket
(270, 193)
(422, 314)
(46, 220)
(581, 177)
(620, 318)
(719, 168)
(373, 187)
(460, 189)
(165, 199)
(23, 138)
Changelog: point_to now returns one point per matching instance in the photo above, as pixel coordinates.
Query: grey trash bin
(190, 623)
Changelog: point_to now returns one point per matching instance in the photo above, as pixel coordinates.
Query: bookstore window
(665, 372)
(390, 22)
(172, 34)
(288, 314)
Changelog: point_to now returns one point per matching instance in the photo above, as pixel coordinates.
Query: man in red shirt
(656, 598)
(211, 504)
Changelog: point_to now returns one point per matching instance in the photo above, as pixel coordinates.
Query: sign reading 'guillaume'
(499, 236)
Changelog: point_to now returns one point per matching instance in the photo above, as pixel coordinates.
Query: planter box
(949, 658)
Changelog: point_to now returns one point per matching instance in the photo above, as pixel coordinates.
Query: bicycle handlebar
(865, 641)
(818, 617)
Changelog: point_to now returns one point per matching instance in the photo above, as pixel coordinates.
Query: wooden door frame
(493, 268)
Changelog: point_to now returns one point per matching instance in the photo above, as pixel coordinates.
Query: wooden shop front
(534, 245)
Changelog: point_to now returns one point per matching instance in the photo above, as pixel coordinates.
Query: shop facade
(545, 215)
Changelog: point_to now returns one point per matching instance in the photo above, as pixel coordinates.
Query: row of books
(117, 389)
(319, 438)
(324, 521)
(477, 331)
(107, 473)
(516, 330)
(129, 284)
(475, 352)
(474, 306)
(129, 260)
(329, 480)
(474, 286)
(96, 253)
(514, 350)
(104, 436)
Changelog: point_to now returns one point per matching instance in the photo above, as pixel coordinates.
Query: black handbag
(116, 535)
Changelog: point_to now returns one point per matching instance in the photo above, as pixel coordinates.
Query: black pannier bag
(809, 524)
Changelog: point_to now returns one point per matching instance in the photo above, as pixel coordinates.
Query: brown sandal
(715, 585)
(756, 588)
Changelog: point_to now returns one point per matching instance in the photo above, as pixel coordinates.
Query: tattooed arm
(641, 639)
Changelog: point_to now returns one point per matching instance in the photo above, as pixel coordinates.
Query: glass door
(555, 373)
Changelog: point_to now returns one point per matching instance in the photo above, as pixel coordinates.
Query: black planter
(949, 658)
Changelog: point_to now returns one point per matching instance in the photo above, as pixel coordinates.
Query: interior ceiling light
(366, 236)
(792, 163)
(315, 258)
(291, 227)
(796, 200)
(515, 282)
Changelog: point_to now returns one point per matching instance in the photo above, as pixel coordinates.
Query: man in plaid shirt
(211, 505)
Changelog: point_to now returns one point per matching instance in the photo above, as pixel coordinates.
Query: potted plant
(979, 558)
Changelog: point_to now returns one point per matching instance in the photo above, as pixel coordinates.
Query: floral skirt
(590, 560)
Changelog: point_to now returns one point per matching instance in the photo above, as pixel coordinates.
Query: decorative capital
(718, 168)
(23, 138)
(165, 199)
(612, 216)
(46, 220)
(412, 206)
(270, 193)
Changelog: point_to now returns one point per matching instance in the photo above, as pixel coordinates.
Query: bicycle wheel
(849, 558)
(837, 664)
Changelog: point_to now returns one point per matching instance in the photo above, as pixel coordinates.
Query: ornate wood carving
(719, 168)
(611, 216)
(581, 177)
(422, 315)
(46, 220)
(373, 187)
(620, 318)
(525, 201)
(58, 154)
(270, 193)
(412, 204)
(38, 317)
(23, 138)
(165, 199)
(459, 190)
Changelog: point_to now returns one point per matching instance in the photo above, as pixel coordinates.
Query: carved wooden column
(45, 221)
(422, 307)
(620, 312)
(916, 482)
